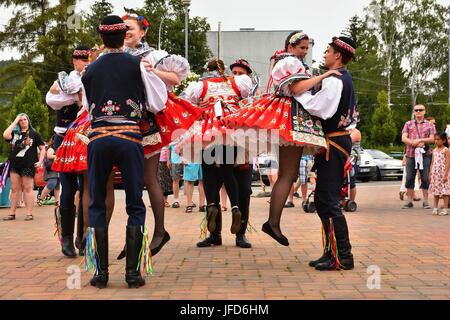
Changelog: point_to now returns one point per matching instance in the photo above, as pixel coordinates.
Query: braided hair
(216, 65)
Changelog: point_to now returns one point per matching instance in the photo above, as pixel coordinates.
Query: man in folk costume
(335, 104)
(243, 172)
(243, 175)
(65, 97)
(116, 87)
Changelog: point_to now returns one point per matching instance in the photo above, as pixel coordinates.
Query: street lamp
(159, 32)
(186, 4)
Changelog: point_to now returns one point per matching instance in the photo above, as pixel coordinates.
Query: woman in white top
(282, 115)
(159, 129)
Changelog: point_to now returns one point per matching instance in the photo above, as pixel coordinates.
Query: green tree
(424, 37)
(168, 16)
(98, 11)
(383, 131)
(29, 101)
(44, 35)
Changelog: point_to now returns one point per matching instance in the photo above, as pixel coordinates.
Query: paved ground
(411, 250)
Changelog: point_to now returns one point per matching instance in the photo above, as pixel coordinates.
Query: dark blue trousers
(330, 179)
(103, 154)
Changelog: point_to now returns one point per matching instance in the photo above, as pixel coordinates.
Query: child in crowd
(439, 173)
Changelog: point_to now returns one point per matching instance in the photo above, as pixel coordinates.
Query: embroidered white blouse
(194, 90)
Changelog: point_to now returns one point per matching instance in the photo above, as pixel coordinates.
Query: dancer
(65, 97)
(335, 104)
(298, 131)
(243, 175)
(222, 95)
(160, 129)
(116, 88)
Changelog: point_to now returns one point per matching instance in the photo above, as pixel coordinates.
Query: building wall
(255, 46)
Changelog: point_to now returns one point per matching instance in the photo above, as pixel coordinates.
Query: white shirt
(59, 101)
(323, 104)
(195, 89)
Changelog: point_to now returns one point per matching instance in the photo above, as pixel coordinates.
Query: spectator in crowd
(418, 135)
(440, 173)
(403, 185)
(50, 176)
(165, 179)
(24, 159)
(192, 172)
(356, 137)
(176, 169)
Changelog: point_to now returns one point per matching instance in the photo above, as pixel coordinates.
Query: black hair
(114, 40)
(346, 57)
(82, 47)
(443, 137)
(287, 42)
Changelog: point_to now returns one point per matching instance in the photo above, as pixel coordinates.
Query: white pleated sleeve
(324, 103)
(244, 84)
(60, 100)
(155, 91)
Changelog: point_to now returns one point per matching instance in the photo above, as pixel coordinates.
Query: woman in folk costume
(219, 96)
(280, 113)
(159, 129)
(65, 97)
(71, 156)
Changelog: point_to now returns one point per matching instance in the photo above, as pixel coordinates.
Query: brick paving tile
(413, 258)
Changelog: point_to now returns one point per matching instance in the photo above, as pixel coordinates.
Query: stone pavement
(410, 249)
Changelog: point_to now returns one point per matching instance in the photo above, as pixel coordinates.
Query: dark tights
(287, 174)
(156, 196)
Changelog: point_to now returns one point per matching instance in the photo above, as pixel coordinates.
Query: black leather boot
(101, 278)
(343, 248)
(134, 244)
(212, 212)
(327, 253)
(80, 241)
(122, 253)
(67, 229)
(241, 239)
(215, 238)
(236, 217)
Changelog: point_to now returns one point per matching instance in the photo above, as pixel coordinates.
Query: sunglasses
(419, 110)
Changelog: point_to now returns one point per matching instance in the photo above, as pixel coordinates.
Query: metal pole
(186, 28)
(218, 40)
(159, 33)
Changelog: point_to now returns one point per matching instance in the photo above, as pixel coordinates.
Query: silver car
(387, 167)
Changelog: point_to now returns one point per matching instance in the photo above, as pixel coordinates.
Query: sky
(320, 19)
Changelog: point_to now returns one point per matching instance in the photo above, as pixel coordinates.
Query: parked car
(367, 167)
(266, 164)
(387, 167)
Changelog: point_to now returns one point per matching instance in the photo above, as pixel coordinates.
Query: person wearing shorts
(176, 170)
(192, 172)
